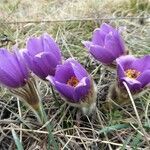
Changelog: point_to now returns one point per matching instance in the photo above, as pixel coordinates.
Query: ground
(71, 22)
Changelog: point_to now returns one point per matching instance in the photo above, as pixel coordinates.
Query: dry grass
(118, 129)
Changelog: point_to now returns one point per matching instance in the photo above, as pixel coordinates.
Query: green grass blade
(51, 139)
(16, 139)
(114, 128)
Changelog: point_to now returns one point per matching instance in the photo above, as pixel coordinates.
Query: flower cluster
(42, 57)
(108, 47)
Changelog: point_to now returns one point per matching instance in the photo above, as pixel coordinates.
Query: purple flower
(42, 55)
(106, 45)
(13, 72)
(134, 71)
(71, 80)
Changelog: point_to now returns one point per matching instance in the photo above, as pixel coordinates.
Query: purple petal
(34, 66)
(78, 69)
(64, 89)
(21, 64)
(82, 88)
(120, 71)
(144, 78)
(64, 72)
(34, 45)
(133, 84)
(8, 60)
(10, 71)
(50, 45)
(46, 61)
(106, 28)
(10, 64)
(98, 37)
(101, 54)
(142, 64)
(126, 61)
(9, 79)
(121, 42)
(114, 44)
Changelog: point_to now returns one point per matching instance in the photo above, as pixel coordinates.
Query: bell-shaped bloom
(42, 55)
(106, 44)
(134, 71)
(13, 72)
(15, 75)
(73, 82)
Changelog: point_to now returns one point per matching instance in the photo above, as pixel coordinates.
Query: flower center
(132, 73)
(73, 81)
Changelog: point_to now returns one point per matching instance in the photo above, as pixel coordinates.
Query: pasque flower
(134, 71)
(106, 44)
(13, 72)
(73, 82)
(42, 55)
(15, 76)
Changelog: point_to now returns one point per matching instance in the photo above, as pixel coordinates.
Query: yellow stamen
(132, 73)
(73, 81)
